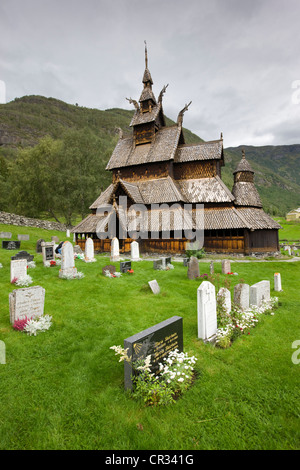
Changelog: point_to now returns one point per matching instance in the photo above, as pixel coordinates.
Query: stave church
(155, 168)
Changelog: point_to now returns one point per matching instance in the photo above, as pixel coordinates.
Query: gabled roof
(201, 151)
(162, 148)
(143, 118)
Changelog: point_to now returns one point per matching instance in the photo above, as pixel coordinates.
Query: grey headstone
(18, 269)
(241, 296)
(23, 237)
(157, 264)
(193, 268)
(259, 292)
(27, 302)
(226, 266)
(225, 295)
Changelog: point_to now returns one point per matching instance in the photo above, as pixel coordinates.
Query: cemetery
(212, 339)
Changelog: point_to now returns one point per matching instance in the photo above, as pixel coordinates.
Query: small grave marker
(154, 286)
(125, 266)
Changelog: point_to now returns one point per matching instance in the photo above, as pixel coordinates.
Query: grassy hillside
(24, 121)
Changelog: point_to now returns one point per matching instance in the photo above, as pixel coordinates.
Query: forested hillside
(53, 157)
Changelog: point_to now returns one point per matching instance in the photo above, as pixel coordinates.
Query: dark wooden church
(154, 165)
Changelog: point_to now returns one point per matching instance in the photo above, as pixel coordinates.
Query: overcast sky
(238, 61)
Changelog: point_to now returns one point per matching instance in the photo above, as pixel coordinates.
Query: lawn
(290, 231)
(64, 389)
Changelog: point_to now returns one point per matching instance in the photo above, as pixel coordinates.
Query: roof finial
(243, 153)
(146, 55)
(221, 135)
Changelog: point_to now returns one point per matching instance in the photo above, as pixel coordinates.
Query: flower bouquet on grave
(52, 263)
(130, 271)
(33, 325)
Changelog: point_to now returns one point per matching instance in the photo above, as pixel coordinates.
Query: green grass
(63, 389)
(290, 230)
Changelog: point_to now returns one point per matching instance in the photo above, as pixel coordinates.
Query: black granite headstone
(158, 341)
(11, 245)
(49, 251)
(23, 255)
(125, 266)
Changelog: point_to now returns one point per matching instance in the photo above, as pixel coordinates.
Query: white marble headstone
(115, 254)
(277, 282)
(135, 251)
(207, 311)
(18, 269)
(89, 251)
(67, 260)
(259, 292)
(27, 302)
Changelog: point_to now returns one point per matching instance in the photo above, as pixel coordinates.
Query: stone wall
(20, 220)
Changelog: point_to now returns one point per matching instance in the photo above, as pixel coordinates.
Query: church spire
(147, 79)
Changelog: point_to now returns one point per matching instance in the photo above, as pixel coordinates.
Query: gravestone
(277, 282)
(259, 292)
(115, 253)
(38, 247)
(89, 251)
(135, 251)
(110, 268)
(23, 255)
(48, 251)
(5, 234)
(11, 245)
(23, 237)
(68, 233)
(185, 262)
(241, 296)
(55, 239)
(226, 267)
(78, 250)
(156, 341)
(154, 286)
(225, 297)
(125, 266)
(18, 269)
(67, 260)
(166, 260)
(157, 264)
(211, 268)
(27, 302)
(193, 268)
(207, 311)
